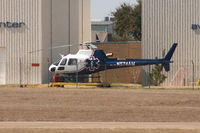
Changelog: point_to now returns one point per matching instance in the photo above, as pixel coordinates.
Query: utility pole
(48, 73)
(192, 74)
(76, 73)
(20, 73)
(149, 80)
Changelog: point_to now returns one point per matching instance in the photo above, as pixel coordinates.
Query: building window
(64, 61)
(72, 62)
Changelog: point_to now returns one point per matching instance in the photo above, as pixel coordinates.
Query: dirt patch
(99, 105)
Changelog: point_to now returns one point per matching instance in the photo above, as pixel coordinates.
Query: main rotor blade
(56, 47)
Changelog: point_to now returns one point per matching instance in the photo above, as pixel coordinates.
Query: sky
(103, 8)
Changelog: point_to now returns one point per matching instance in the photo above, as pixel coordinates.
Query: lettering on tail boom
(124, 63)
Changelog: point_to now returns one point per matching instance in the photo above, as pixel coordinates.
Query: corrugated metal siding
(165, 22)
(48, 23)
(19, 41)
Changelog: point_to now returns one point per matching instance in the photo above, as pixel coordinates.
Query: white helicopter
(90, 60)
(83, 62)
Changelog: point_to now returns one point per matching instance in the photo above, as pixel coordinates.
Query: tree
(155, 76)
(127, 22)
(137, 31)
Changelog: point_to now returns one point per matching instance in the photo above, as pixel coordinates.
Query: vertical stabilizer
(168, 57)
(171, 52)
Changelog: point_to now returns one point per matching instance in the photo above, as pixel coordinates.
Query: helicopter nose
(52, 68)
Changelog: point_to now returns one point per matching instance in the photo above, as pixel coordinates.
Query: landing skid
(72, 78)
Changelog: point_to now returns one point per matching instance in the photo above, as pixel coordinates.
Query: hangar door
(2, 66)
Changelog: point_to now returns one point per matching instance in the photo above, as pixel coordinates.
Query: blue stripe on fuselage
(111, 64)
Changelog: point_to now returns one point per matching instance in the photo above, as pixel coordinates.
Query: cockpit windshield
(57, 62)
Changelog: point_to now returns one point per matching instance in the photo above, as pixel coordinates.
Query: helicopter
(91, 60)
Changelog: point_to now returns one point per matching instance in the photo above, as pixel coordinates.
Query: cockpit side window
(57, 62)
(72, 62)
(64, 61)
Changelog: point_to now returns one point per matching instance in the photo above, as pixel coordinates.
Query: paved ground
(101, 125)
(99, 111)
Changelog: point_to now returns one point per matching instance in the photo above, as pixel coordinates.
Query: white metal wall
(19, 41)
(2, 65)
(48, 23)
(64, 22)
(165, 22)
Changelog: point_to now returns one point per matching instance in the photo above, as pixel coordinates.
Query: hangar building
(30, 28)
(165, 22)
